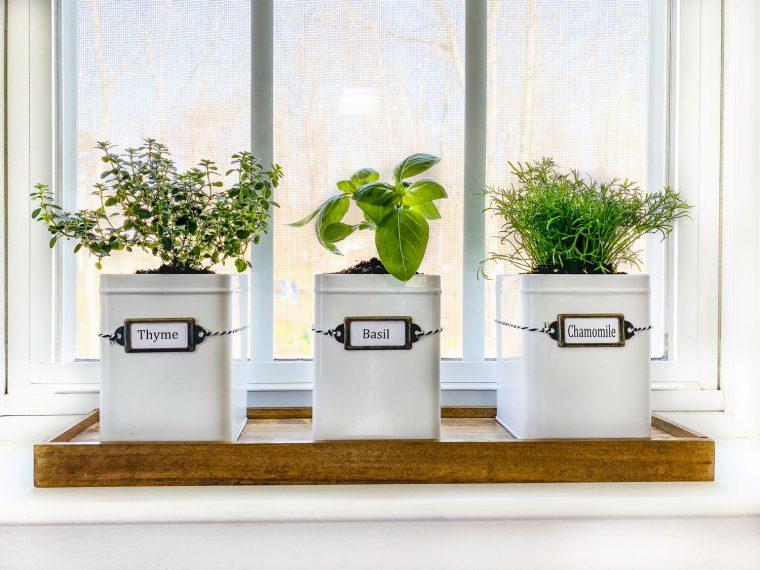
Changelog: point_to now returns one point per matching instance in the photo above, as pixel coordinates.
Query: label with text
(591, 330)
(378, 333)
(156, 335)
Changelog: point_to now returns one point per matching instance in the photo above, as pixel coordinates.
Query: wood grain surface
(276, 448)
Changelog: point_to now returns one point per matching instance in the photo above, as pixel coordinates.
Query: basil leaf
(338, 231)
(347, 186)
(414, 164)
(331, 212)
(306, 220)
(428, 210)
(401, 240)
(373, 213)
(377, 194)
(364, 176)
(423, 191)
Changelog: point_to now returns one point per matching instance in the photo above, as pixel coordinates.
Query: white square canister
(585, 383)
(172, 394)
(364, 389)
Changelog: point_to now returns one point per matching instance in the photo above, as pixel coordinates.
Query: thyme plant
(187, 219)
(563, 222)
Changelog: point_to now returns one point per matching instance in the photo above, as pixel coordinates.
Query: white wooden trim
(30, 160)
(740, 291)
(65, 186)
(287, 371)
(697, 176)
(262, 124)
(657, 164)
(3, 217)
(70, 398)
(473, 220)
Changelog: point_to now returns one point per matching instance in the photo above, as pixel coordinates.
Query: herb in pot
(187, 219)
(563, 222)
(398, 212)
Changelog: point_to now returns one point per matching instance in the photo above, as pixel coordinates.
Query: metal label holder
(408, 332)
(192, 331)
(562, 341)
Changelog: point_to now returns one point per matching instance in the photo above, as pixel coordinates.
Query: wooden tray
(276, 448)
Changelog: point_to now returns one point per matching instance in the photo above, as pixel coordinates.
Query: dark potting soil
(370, 267)
(575, 268)
(170, 270)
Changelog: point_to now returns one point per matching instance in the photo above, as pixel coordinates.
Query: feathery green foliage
(555, 222)
(187, 219)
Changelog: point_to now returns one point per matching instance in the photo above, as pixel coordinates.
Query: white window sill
(536, 526)
(72, 398)
(735, 492)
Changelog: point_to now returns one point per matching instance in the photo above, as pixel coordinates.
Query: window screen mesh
(566, 79)
(363, 84)
(175, 71)
(358, 84)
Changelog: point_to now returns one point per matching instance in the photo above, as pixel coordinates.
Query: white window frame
(685, 116)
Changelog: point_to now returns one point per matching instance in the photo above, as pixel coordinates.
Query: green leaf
(143, 213)
(242, 234)
(53, 240)
(338, 231)
(423, 191)
(240, 264)
(36, 213)
(111, 201)
(346, 186)
(328, 245)
(331, 212)
(377, 194)
(302, 222)
(364, 176)
(414, 164)
(428, 210)
(373, 213)
(401, 240)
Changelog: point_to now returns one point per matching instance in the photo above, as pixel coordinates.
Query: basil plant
(397, 212)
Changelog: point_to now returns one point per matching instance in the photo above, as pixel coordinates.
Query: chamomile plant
(555, 221)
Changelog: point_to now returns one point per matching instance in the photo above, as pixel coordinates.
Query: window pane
(363, 84)
(567, 79)
(175, 71)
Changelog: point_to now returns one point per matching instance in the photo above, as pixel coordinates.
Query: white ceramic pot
(376, 394)
(549, 391)
(173, 396)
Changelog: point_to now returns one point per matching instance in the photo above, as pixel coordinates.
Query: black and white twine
(200, 333)
(203, 332)
(111, 337)
(335, 333)
(551, 329)
(545, 329)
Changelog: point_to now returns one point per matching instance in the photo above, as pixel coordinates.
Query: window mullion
(262, 117)
(473, 223)
(658, 116)
(65, 157)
